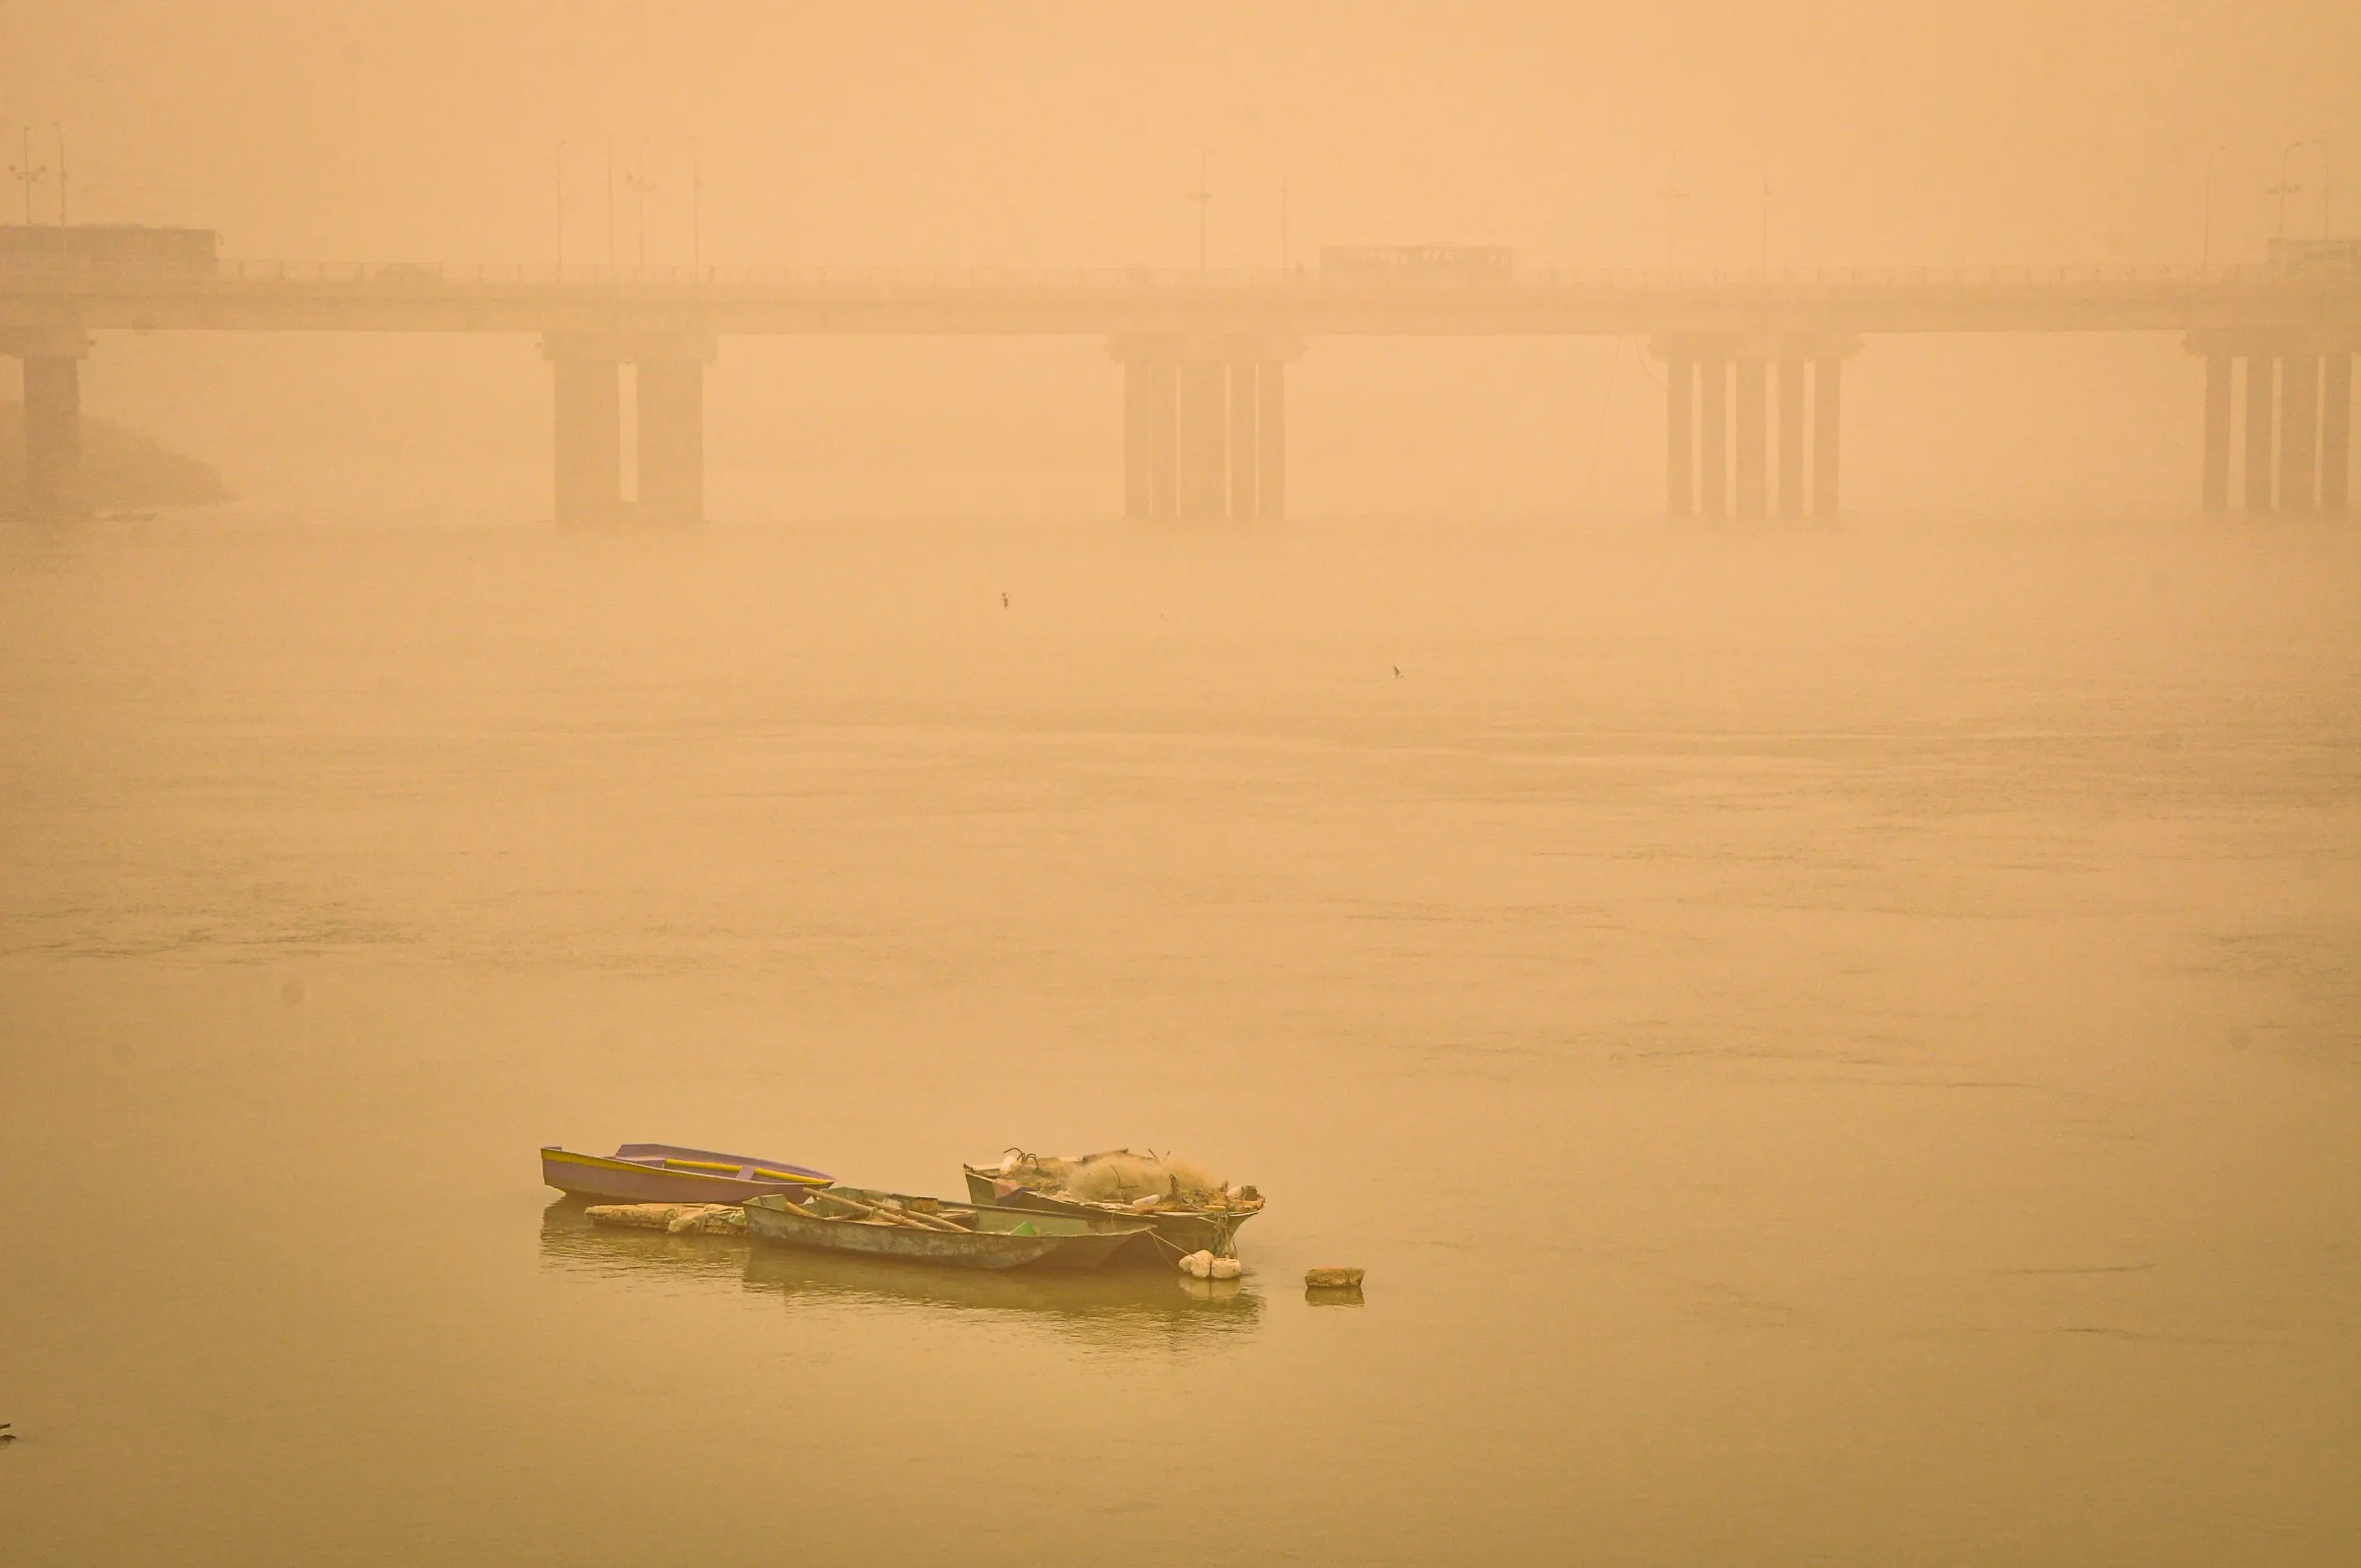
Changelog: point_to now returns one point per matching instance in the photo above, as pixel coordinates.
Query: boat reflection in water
(1107, 1307)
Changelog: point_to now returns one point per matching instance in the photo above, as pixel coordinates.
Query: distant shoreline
(120, 467)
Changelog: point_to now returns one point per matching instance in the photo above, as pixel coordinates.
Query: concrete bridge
(1754, 360)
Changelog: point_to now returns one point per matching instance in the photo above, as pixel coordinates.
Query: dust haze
(1830, 1024)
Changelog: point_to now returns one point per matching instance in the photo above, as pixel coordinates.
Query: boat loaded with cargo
(1028, 1211)
(1187, 1210)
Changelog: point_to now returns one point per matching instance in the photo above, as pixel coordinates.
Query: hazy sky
(1068, 134)
(899, 133)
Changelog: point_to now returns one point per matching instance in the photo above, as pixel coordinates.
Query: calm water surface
(1833, 1047)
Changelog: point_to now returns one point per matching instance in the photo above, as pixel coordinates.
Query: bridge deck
(272, 296)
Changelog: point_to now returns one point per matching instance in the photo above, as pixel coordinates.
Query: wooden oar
(920, 1222)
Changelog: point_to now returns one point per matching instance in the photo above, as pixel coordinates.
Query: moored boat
(1186, 1215)
(889, 1225)
(668, 1173)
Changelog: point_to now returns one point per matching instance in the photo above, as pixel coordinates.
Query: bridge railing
(600, 276)
(382, 279)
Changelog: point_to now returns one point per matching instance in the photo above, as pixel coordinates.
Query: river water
(1833, 1046)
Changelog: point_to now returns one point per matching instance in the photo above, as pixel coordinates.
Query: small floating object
(1333, 1279)
(678, 1219)
(1204, 1265)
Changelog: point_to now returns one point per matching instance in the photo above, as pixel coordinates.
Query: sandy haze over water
(1836, 1045)
(1833, 1045)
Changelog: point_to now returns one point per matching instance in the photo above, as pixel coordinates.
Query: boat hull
(624, 1179)
(1175, 1233)
(1058, 1243)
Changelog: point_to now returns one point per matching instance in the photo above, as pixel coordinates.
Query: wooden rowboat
(1174, 1232)
(666, 1173)
(855, 1220)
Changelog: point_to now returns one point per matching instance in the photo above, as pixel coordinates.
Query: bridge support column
(2215, 484)
(1204, 423)
(672, 437)
(52, 435)
(1713, 443)
(1140, 425)
(1680, 432)
(586, 374)
(1791, 436)
(1270, 443)
(2335, 430)
(52, 358)
(1245, 457)
(1205, 426)
(1753, 447)
(2261, 374)
(1164, 439)
(2299, 433)
(1151, 425)
(1828, 418)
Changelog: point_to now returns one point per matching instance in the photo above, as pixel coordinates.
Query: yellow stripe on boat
(789, 1176)
(700, 1164)
(568, 1157)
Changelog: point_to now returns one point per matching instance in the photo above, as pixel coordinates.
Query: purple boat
(666, 1173)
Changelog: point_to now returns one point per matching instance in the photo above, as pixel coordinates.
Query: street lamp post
(2286, 187)
(561, 209)
(1763, 263)
(27, 173)
(2204, 254)
(2321, 147)
(2282, 191)
(1283, 194)
(640, 185)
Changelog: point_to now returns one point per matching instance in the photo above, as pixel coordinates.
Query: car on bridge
(2337, 259)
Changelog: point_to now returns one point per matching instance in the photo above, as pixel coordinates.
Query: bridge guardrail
(394, 277)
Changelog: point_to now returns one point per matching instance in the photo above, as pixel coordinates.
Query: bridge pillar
(672, 438)
(2335, 430)
(1828, 408)
(2215, 485)
(52, 435)
(1753, 447)
(1164, 439)
(1790, 435)
(2260, 373)
(1204, 424)
(1270, 443)
(1680, 432)
(585, 372)
(52, 359)
(2299, 432)
(1713, 443)
(1245, 457)
(1139, 424)
(1151, 425)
